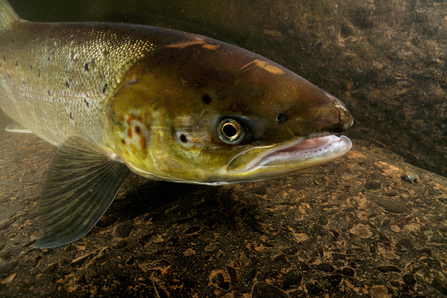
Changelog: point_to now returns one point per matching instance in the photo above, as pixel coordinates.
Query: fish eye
(230, 131)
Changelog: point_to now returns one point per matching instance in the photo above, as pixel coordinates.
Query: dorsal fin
(7, 16)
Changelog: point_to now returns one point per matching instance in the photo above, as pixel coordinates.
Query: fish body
(165, 104)
(58, 79)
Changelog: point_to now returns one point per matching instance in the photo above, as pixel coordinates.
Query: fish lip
(326, 148)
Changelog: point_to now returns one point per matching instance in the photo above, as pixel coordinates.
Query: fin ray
(81, 184)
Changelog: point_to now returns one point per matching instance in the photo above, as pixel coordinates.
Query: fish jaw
(263, 163)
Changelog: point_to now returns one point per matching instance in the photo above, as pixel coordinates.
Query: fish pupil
(183, 138)
(229, 130)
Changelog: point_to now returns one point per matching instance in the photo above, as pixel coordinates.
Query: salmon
(164, 104)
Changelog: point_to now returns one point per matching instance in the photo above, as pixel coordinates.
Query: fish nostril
(282, 117)
(346, 121)
(345, 118)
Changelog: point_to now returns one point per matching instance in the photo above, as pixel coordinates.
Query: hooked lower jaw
(295, 155)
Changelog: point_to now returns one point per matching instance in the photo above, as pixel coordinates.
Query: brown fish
(165, 104)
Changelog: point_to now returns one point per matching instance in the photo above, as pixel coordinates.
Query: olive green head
(201, 111)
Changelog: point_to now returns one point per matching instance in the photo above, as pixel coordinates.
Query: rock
(361, 230)
(379, 291)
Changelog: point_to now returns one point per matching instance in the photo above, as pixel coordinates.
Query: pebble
(189, 252)
(379, 291)
(362, 231)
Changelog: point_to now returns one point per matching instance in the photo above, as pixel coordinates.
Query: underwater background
(359, 226)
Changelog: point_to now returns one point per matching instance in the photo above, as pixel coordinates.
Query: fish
(164, 104)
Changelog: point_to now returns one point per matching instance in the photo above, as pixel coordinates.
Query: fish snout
(315, 112)
(345, 119)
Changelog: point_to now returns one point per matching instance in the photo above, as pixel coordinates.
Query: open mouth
(294, 155)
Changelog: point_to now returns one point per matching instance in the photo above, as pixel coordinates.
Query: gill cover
(131, 117)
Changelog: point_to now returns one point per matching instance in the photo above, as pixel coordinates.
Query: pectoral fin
(81, 183)
(15, 127)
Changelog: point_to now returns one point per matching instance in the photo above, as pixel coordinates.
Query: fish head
(201, 111)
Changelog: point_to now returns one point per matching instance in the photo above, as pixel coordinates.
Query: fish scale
(57, 82)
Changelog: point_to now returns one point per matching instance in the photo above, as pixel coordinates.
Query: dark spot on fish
(129, 133)
(206, 99)
(31, 67)
(12, 41)
(17, 63)
(282, 117)
(123, 141)
(86, 67)
(4, 58)
(104, 90)
(23, 82)
(67, 83)
(9, 76)
(71, 116)
(26, 98)
(138, 129)
(49, 57)
(183, 138)
(38, 72)
(87, 103)
(105, 53)
(49, 93)
(121, 118)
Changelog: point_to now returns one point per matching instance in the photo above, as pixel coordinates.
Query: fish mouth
(292, 156)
